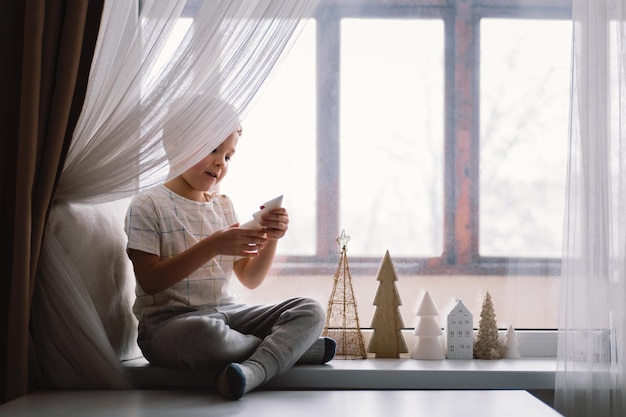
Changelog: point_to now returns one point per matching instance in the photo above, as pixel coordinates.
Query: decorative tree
(487, 345)
(510, 344)
(387, 340)
(342, 318)
(429, 341)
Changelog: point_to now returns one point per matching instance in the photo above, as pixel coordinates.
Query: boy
(185, 243)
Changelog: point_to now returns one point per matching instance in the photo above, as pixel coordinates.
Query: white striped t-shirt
(163, 223)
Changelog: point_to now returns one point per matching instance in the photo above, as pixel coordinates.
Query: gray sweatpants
(274, 335)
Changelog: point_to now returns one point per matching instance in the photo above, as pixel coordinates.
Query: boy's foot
(239, 378)
(330, 349)
(322, 351)
(231, 383)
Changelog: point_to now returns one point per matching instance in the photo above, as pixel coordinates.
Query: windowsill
(524, 373)
(534, 371)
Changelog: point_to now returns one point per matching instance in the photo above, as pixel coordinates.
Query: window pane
(276, 153)
(391, 135)
(524, 105)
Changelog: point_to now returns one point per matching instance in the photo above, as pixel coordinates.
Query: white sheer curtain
(226, 51)
(222, 49)
(591, 369)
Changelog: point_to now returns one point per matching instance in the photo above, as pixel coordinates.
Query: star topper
(343, 239)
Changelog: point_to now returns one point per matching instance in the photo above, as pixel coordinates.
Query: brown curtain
(46, 47)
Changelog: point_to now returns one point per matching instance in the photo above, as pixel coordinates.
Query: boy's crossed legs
(257, 342)
(293, 338)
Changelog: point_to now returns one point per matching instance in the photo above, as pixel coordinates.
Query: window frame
(460, 253)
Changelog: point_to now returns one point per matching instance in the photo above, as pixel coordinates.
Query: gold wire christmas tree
(342, 318)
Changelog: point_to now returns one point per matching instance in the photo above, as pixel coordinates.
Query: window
(391, 135)
(523, 138)
(437, 132)
(276, 153)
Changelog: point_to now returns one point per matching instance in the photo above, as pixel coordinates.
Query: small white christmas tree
(511, 344)
(429, 341)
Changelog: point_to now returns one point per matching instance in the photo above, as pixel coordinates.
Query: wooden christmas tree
(487, 345)
(429, 341)
(342, 318)
(510, 344)
(387, 340)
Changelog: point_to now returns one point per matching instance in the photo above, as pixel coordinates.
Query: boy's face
(214, 167)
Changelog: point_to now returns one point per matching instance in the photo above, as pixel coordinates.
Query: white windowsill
(534, 371)
(524, 373)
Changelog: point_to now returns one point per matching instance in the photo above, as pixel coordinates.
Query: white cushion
(93, 236)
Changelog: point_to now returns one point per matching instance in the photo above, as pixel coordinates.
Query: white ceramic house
(460, 333)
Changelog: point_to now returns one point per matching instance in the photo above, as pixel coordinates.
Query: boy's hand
(275, 223)
(241, 242)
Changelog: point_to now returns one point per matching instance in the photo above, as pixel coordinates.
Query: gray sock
(322, 351)
(239, 378)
